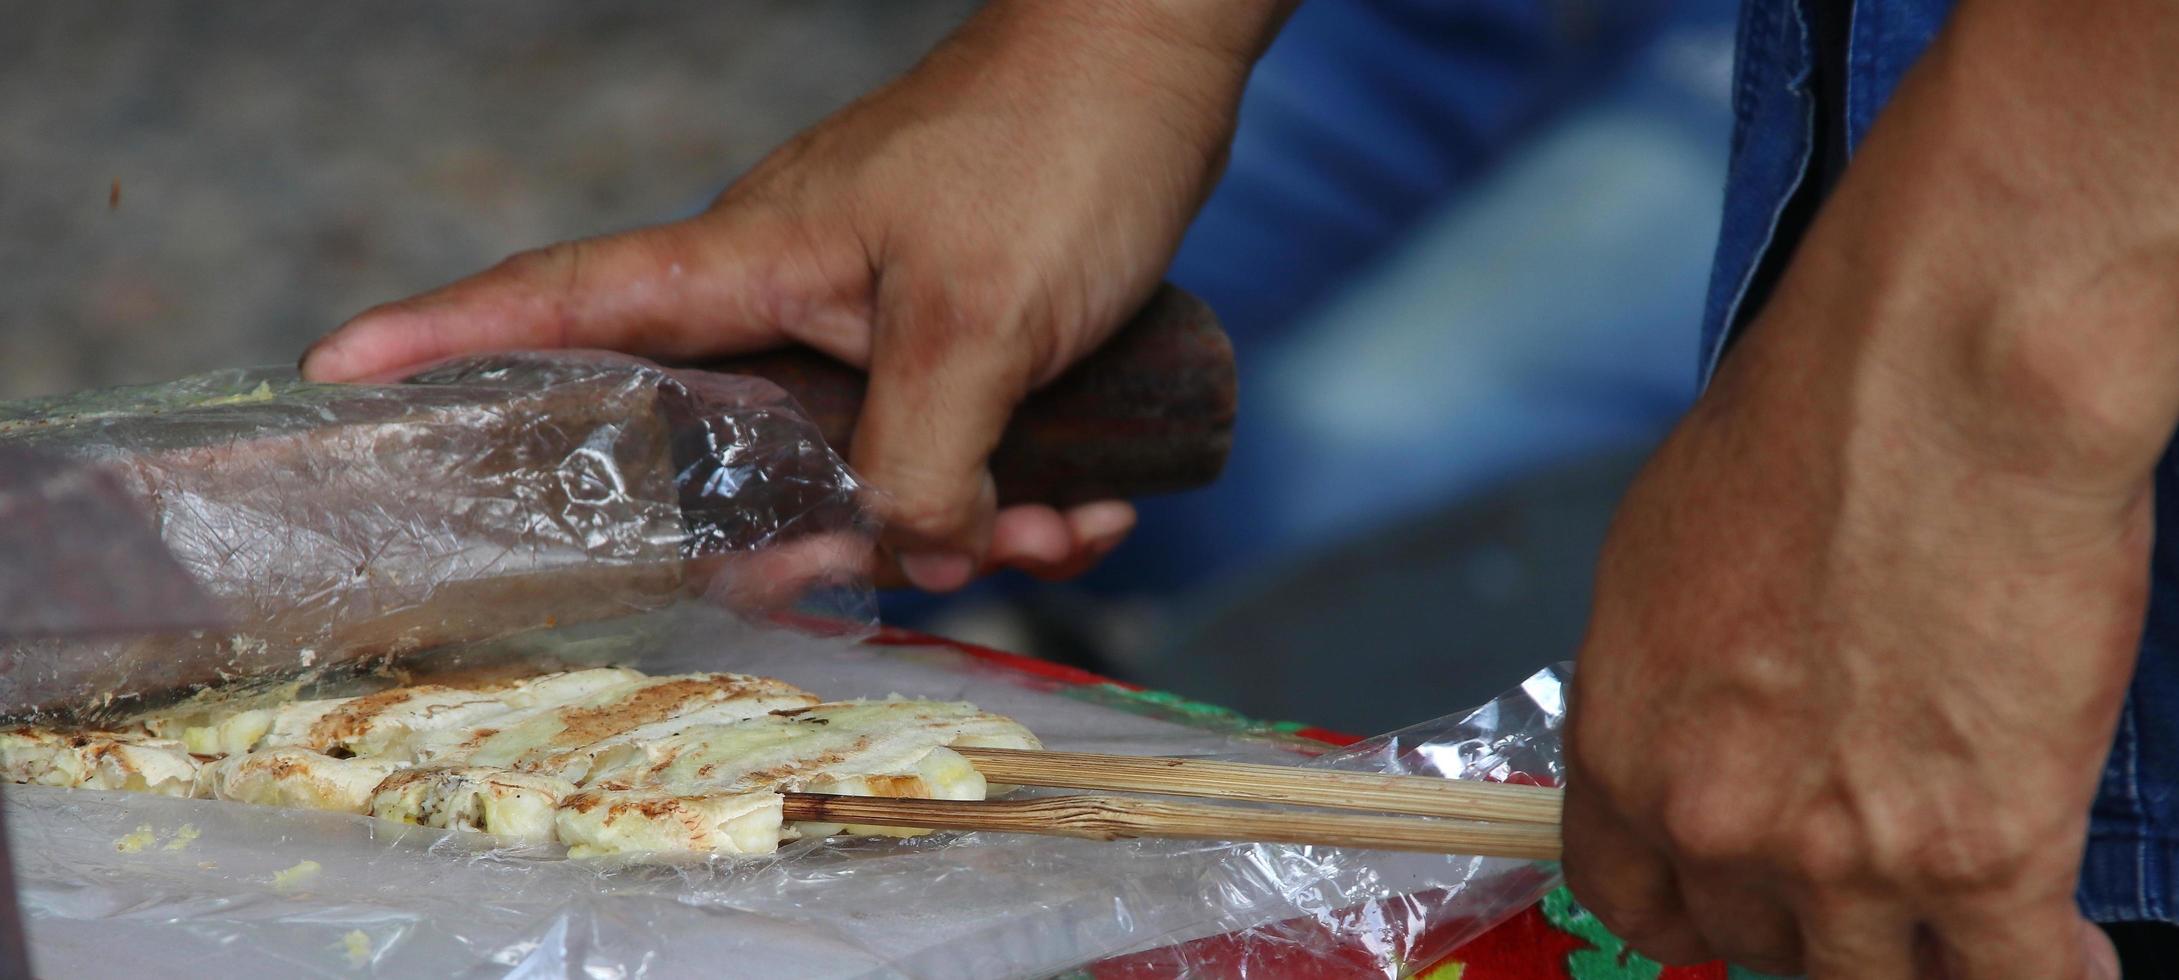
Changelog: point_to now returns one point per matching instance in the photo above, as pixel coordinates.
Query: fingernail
(321, 362)
(1105, 519)
(937, 571)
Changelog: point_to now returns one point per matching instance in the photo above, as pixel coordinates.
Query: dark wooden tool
(1149, 412)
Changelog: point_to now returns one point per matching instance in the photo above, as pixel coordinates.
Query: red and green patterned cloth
(1556, 939)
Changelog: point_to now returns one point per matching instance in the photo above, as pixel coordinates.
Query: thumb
(678, 290)
(943, 382)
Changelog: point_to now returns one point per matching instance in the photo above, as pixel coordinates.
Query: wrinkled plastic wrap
(336, 524)
(215, 884)
(535, 513)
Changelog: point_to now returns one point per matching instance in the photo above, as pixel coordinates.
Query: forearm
(1999, 270)
(1197, 50)
(1237, 29)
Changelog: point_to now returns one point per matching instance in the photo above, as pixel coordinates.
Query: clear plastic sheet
(335, 524)
(117, 885)
(535, 512)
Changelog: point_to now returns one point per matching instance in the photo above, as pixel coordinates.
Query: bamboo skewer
(1422, 795)
(1112, 818)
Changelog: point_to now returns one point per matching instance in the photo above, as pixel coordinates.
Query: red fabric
(891, 636)
(1525, 947)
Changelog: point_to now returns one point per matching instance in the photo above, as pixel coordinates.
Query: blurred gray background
(283, 166)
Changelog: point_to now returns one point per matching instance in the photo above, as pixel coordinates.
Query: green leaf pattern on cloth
(1609, 958)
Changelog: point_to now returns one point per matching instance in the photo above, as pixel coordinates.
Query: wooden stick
(1112, 818)
(1427, 796)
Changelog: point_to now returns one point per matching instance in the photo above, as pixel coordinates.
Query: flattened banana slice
(595, 823)
(98, 760)
(495, 801)
(559, 738)
(394, 722)
(296, 777)
(788, 749)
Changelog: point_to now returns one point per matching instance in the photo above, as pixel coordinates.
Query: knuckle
(1709, 828)
(927, 517)
(994, 313)
(933, 512)
(544, 262)
(1968, 858)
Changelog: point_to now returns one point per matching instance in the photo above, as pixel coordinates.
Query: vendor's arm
(965, 233)
(1865, 623)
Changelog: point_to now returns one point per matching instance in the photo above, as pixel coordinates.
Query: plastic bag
(117, 885)
(548, 512)
(336, 524)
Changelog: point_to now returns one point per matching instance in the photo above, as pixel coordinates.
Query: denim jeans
(1810, 77)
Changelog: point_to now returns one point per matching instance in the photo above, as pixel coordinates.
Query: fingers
(1054, 546)
(678, 290)
(1098, 529)
(1626, 883)
(1031, 537)
(942, 386)
(1847, 939)
(2000, 941)
(1050, 544)
(1744, 923)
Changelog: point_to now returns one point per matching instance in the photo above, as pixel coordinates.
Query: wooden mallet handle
(1150, 412)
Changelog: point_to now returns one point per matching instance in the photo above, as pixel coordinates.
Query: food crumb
(296, 875)
(135, 842)
(182, 837)
(262, 393)
(358, 946)
(207, 865)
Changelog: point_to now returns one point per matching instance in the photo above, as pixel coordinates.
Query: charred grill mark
(776, 775)
(657, 702)
(757, 752)
(671, 753)
(350, 721)
(401, 778)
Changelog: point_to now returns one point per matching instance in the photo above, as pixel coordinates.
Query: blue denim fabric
(1363, 126)
(2132, 850)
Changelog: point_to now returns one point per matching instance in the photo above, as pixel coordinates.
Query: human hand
(1864, 626)
(1844, 702)
(964, 234)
